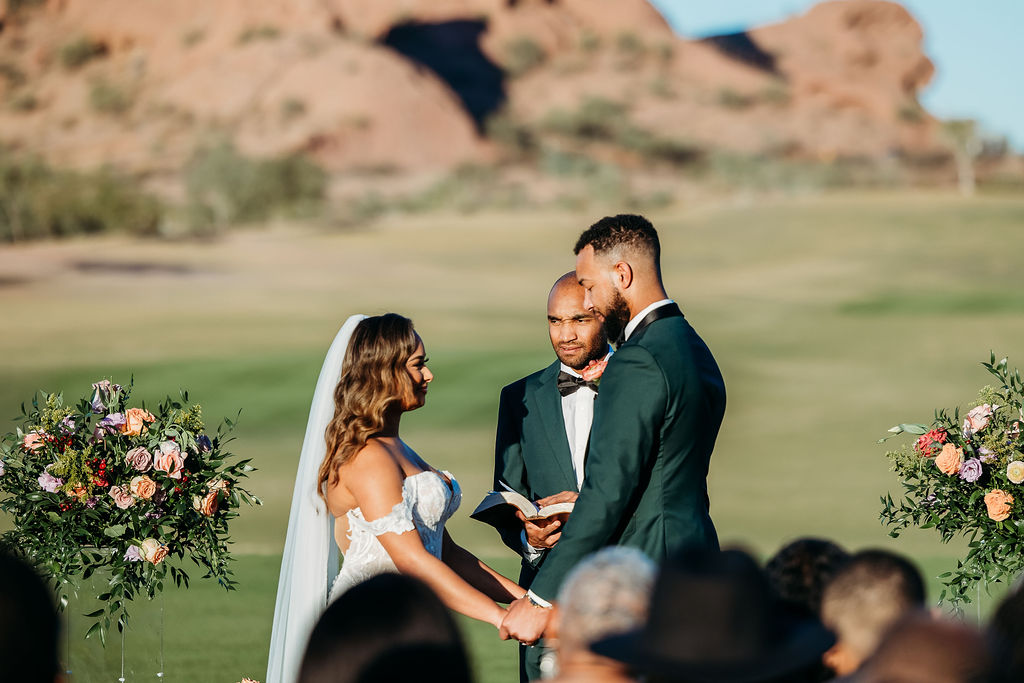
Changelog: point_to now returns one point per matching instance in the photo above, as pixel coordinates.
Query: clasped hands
(525, 621)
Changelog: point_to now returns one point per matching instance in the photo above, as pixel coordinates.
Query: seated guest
(799, 572)
(29, 627)
(874, 590)
(607, 593)
(713, 618)
(389, 628)
(920, 649)
(1006, 635)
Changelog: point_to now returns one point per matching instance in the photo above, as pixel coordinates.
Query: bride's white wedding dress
(429, 499)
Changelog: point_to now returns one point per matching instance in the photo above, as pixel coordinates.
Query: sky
(975, 45)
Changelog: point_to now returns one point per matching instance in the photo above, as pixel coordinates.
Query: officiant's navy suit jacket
(531, 452)
(656, 418)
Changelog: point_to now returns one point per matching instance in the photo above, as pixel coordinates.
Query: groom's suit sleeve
(509, 467)
(628, 416)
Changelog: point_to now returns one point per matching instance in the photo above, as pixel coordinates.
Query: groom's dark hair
(625, 230)
(29, 627)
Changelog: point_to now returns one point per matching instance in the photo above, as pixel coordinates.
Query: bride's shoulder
(375, 459)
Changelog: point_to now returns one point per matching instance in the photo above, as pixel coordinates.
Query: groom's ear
(623, 273)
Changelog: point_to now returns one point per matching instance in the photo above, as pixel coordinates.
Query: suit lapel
(548, 404)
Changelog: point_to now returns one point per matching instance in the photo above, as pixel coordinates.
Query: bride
(361, 486)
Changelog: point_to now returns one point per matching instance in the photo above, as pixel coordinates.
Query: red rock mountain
(411, 84)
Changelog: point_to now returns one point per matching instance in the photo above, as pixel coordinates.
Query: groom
(543, 432)
(661, 404)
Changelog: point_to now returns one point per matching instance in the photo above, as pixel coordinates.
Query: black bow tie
(568, 384)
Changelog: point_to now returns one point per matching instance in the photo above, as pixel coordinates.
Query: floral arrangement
(966, 477)
(103, 484)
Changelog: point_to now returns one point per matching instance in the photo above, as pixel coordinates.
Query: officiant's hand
(544, 533)
(525, 621)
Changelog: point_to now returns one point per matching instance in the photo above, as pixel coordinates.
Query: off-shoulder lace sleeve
(398, 521)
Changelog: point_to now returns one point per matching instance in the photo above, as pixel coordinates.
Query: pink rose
(594, 370)
(977, 419)
(139, 458)
(33, 441)
(122, 498)
(170, 459)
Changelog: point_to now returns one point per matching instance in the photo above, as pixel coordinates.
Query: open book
(498, 508)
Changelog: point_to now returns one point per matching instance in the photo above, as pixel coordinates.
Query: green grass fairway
(832, 318)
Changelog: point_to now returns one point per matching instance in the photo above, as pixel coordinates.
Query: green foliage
(630, 46)
(24, 102)
(513, 135)
(108, 98)
(75, 525)
(193, 37)
(37, 201)
(225, 187)
(596, 118)
(255, 33)
(522, 55)
(11, 73)
(590, 42)
(80, 51)
(292, 108)
(911, 112)
(955, 503)
(776, 94)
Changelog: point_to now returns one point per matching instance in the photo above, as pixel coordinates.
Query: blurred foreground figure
(713, 619)
(799, 572)
(872, 592)
(918, 649)
(29, 626)
(1006, 633)
(388, 628)
(606, 594)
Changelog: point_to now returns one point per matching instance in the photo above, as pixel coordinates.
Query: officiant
(543, 433)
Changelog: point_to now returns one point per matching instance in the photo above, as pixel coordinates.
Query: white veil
(310, 553)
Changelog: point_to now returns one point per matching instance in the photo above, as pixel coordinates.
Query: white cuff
(528, 550)
(536, 599)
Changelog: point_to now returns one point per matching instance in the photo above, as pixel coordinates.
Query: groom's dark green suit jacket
(659, 407)
(531, 450)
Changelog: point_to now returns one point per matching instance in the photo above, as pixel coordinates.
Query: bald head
(576, 332)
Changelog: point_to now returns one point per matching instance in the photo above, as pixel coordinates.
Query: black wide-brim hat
(713, 619)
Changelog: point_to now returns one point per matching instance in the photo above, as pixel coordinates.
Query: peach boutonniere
(594, 370)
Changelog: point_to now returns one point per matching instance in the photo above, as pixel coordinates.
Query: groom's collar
(640, 317)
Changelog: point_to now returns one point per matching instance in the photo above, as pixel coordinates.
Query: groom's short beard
(616, 317)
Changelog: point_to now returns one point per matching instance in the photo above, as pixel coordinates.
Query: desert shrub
(776, 94)
(589, 41)
(38, 201)
(515, 136)
(662, 88)
(596, 119)
(656, 148)
(254, 33)
(730, 99)
(108, 98)
(80, 51)
(193, 37)
(12, 74)
(24, 102)
(292, 108)
(522, 55)
(911, 112)
(225, 187)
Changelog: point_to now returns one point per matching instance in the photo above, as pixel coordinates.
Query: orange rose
(207, 504)
(950, 459)
(153, 551)
(33, 441)
(135, 421)
(143, 487)
(998, 503)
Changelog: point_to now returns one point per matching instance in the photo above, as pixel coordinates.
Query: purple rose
(91, 501)
(111, 424)
(103, 391)
(203, 441)
(2, 468)
(133, 554)
(67, 425)
(971, 470)
(50, 483)
(986, 455)
(140, 459)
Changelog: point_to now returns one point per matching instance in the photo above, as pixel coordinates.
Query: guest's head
(799, 572)
(866, 597)
(920, 649)
(29, 626)
(713, 618)
(576, 332)
(618, 262)
(607, 593)
(1006, 633)
(389, 628)
(384, 372)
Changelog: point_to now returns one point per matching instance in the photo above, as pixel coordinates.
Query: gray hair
(607, 593)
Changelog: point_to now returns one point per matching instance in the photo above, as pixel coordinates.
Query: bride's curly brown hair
(373, 380)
